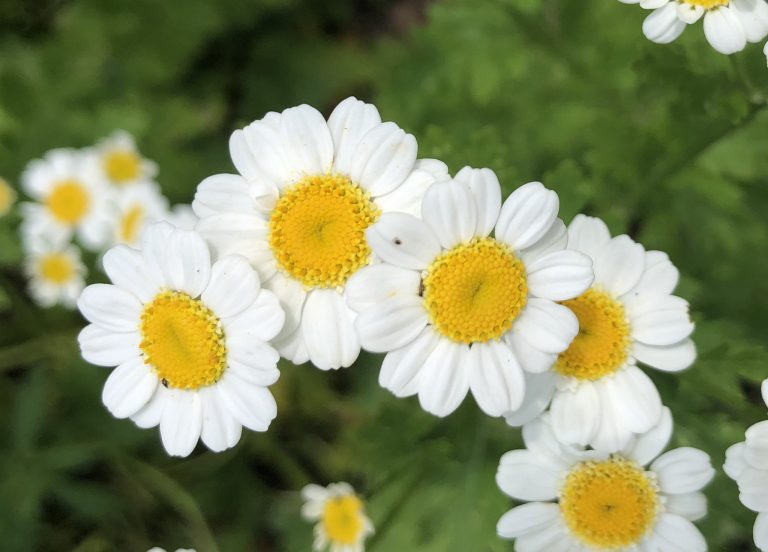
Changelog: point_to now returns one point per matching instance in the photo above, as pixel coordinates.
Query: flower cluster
(333, 237)
(91, 198)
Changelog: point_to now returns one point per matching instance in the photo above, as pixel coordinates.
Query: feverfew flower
(138, 206)
(747, 464)
(121, 163)
(728, 24)
(70, 197)
(340, 515)
(7, 197)
(56, 275)
(579, 499)
(307, 191)
(456, 309)
(602, 397)
(190, 340)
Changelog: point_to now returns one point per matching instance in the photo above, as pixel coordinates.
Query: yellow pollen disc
(475, 291)
(183, 341)
(609, 504)
(317, 230)
(343, 519)
(708, 4)
(122, 166)
(69, 201)
(601, 346)
(130, 224)
(57, 268)
(7, 197)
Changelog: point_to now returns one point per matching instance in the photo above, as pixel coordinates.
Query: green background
(667, 143)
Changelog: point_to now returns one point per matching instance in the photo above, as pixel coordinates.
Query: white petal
(232, 288)
(327, 325)
(760, 532)
(268, 158)
(612, 434)
(619, 265)
(683, 470)
(251, 405)
(407, 197)
(555, 239)
(555, 538)
(450, 211)
(181, 422)
(384, 158)
(485, 187)
(401, 369)
(588, 235)
(753, 489)
(291, 347)
(224, 193)
(391, 324)
(676, 534)
(220, 430)
(735, 463)
(263, 319)
(403, 240)
(689, 13)
(252, 360)
(764, 391)
(560, 275)
(659, 277)
(307, 142)
(110, 307)
(539, 389)
(107, 348)
(444, 381)
(660, 320)
(531, 359)
(691, 506)
(234, 234)
(653, 4)
(671, 358)
(186, 262)
(753, 15)
(128, 388)
(372, 285)
(527, 215)
(641, 406)
(527, 476)
(152, 412)
(575, 414)
(526, 518)
(547, 326)
(663, 25)
(127, 269)
(724, 31)
(644, 448)
(348, 123)
(756, 449)
(291, 294)
(495, 377)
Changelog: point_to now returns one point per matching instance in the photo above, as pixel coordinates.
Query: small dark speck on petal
(398, 241)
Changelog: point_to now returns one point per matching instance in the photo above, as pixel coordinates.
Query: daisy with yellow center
(307, 191)
(121, 163)
(56, 275)
(601, 397)
(457, 309)
(7, 197)
(137, 207)
(728, 24)
(342, 524)
(69, 198)
(577, 499)
(190, 339)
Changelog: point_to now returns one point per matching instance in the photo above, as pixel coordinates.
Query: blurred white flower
(7, 197)
(121, 163)
(340, 513)
(138, 206)
(56, 275)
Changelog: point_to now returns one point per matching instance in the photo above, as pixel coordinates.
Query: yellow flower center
(475, 291)
(122, 166)
(7, 197)
(130, 224)
(708, 4)
(57, 268)
(601, 346)
(609, 504)
(183, 341)
(69, 201)
(317, 230)
(343, 519)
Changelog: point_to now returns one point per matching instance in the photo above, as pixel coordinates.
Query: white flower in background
(309, 189)
(7, 197)
(121, 162)
(341, 518)
(70, 197)
(56, 275)
(458, 310)
(601, 397)
(747, 464)
(585, 500)
(190, 340)
(137, 207)
(728, 24)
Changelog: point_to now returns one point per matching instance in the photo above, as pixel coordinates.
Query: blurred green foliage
(667, 143)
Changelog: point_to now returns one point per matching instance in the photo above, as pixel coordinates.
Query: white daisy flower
(728, 24)
(747, 464)
(456, 309)
(7, 197)
(309, 189)
(56, 275)
(340, 513)
(190, 340)
(585, 500)
(70, 198)
(121, 162)
(138, 206)
(601, 397)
